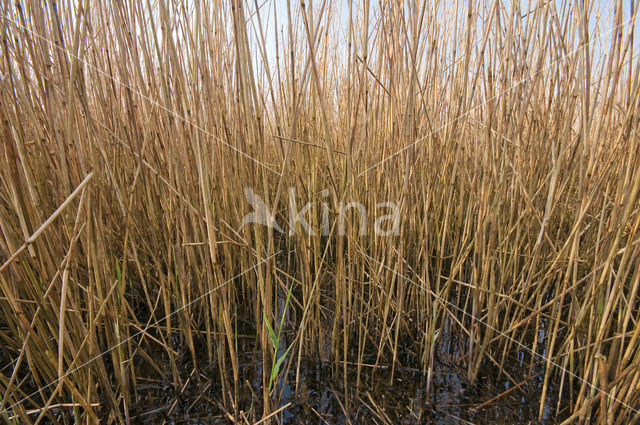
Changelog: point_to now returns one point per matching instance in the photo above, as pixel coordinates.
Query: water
(321, 396)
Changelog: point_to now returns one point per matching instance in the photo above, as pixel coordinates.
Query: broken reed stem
(47, 223)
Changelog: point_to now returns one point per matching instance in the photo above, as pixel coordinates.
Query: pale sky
(600, 20)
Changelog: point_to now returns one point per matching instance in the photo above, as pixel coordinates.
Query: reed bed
(507, 136)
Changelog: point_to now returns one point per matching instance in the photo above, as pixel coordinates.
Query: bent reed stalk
(507, 136)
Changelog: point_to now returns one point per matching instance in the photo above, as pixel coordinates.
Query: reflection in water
(511, 397)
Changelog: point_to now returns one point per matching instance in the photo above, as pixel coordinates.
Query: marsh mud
(383, 395)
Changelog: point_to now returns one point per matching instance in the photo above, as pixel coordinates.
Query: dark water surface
(321, 396)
